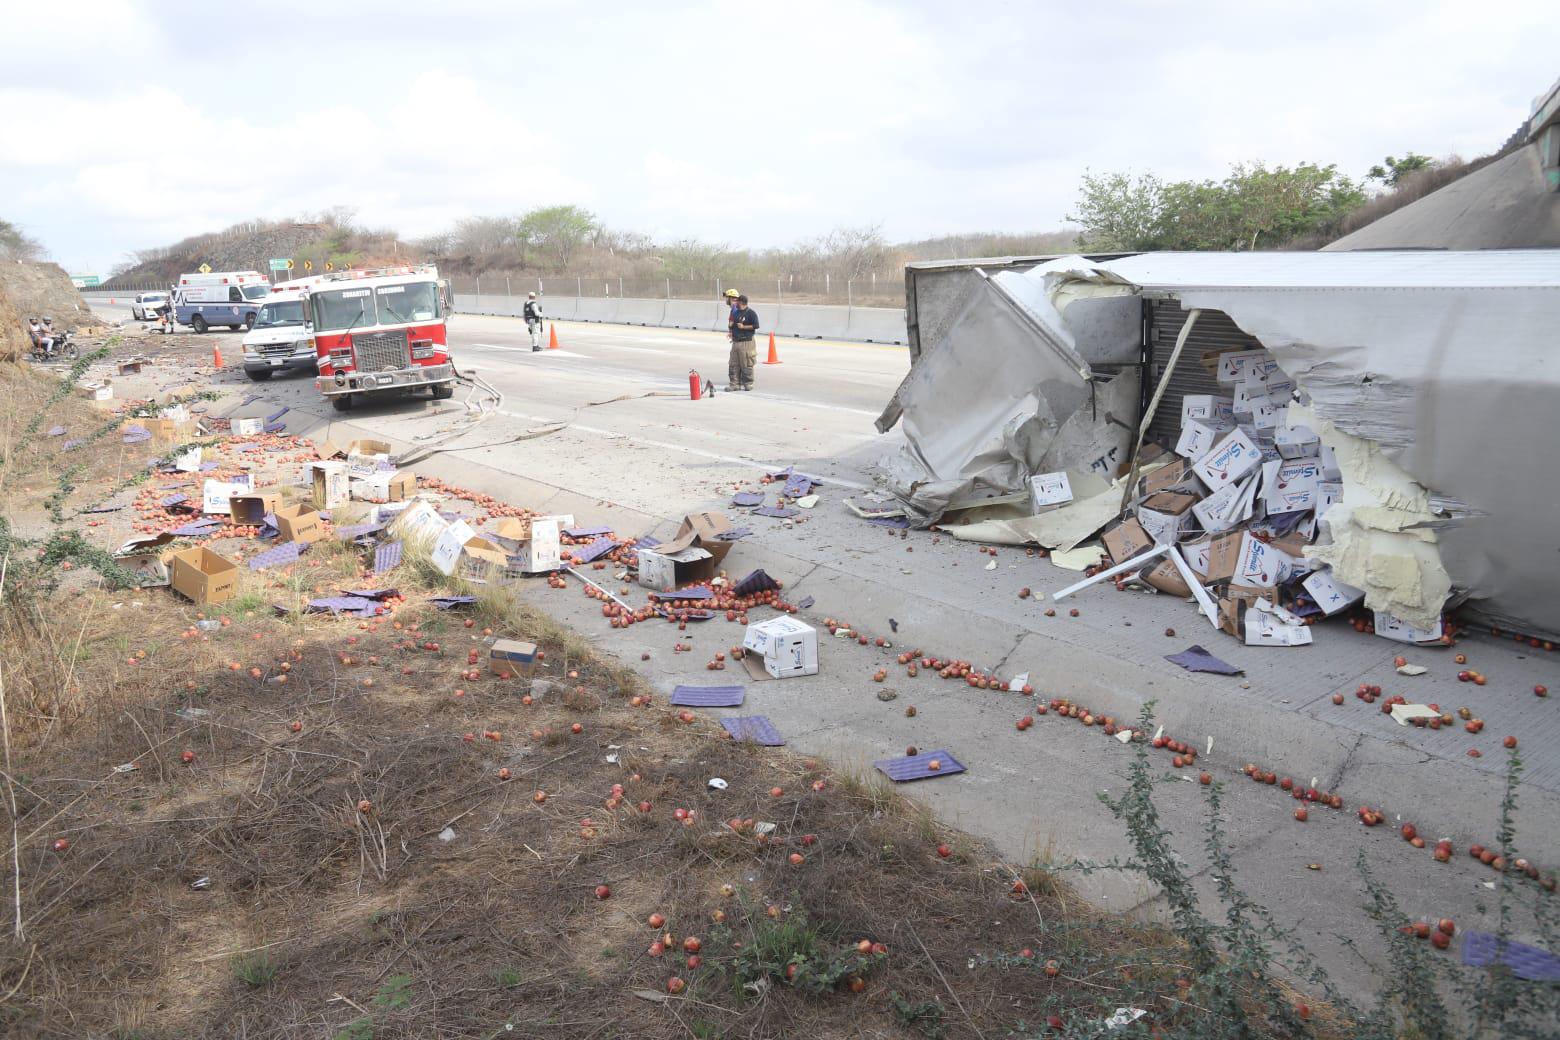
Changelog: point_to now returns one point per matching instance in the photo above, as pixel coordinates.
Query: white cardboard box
(247, 427)
(1296, 442)
(1400, 630)
(330, 484)
(189, 462)
(1234, 365)
(1270, 625)
(1232, 457)
(1198, 436)
(1290, 485)
(419, 521)
(1047, 490)
(788, 646)
(1260, 565)
(1207, 406)
(1331, 594)
(215, 495)
(544, 550)
(1225, 508)
(446, 550)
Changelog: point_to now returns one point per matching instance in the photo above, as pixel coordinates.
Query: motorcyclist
(42, 332)
(533, 320)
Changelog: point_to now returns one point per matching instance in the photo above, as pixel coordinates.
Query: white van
(280, 340)
(230, 298)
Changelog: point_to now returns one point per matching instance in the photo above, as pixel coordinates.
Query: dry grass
(313, 907)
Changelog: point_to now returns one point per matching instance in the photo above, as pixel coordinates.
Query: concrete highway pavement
(639, 464)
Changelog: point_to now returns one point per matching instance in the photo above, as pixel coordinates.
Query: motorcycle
(63, 349)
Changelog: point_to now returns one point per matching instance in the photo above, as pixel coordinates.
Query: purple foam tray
(56, 431)
(1525, 962)
(699, 592)
(287, 552)
(386, 557)
(585, 532)
(586, 553)
(758, 581)
(708, 696)
(343, 605)
(784, 513)
(199, 528)
(103, 509)
(744, 499)
(385, 593)
(799, 485)
(173, 500)
(914, 767)
(451, 602)
(733, 534)
(755, 729)
(898, 523)
(277, 415)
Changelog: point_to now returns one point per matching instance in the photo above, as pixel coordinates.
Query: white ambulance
(280, 340)
(230, 298)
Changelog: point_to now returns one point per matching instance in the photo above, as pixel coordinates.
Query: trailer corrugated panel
(1213, 334)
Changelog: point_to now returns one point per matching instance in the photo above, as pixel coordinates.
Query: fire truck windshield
(401, 304)
(342, 309)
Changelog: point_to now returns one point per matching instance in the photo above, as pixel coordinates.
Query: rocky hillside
(251, 246)
(34, 288)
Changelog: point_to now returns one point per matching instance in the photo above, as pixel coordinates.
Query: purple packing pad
(199, 528)
(372, 593)
(1525, 962)
(743, 499)
(70, 444)
(274, 427)
(686, 614)
(277, 415)
(778, 474)
(708, 696)
(783, 513)
(798, 486)
(586, 553)
(806, 601)
(131, 437)
(755, 729)
(758, 581)
(1196, 659)
(699, 592)
(103, 509)
(344, 605)
(733, 534)
(585, 532)
(451, 602)
(898, 523)
(356, 530)
(648, 541)
(55, 431)
(287, 552)
(387, 557)
(915, 767)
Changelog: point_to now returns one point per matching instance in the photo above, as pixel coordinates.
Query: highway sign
(308, 265)
(281, 265)
(85, 281)
(329, 266)
(204, 268)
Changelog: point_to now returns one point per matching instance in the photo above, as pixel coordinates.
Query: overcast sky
(125, 125)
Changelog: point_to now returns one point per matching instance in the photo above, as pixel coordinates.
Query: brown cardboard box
(1165, 476)
(1224, 555)
(299, 523)
(1166, 577)
(170, 431)
(203, 576)
(330, 484)
(693, 555)
(145, 558)
(251, 508)
(512, 657)
(1126, 540)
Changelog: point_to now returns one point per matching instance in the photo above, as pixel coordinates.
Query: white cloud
(752, 124)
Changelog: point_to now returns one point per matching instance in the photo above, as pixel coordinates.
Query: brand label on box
(1231, 458)
(214, 498)
(1290, 485)
(1234, 365)
(1260, 565)
(1207, 406)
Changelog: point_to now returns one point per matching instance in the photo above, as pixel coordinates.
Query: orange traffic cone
(774, 358)
(216, 351)
(552, 337)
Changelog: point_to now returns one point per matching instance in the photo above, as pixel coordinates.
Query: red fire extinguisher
(695, 385)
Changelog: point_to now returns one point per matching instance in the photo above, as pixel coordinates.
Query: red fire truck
(380, 332)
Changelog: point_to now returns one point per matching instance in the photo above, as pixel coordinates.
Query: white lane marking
(735, 460)
(522, 349)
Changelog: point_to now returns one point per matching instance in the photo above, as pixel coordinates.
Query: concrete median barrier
(795, 320)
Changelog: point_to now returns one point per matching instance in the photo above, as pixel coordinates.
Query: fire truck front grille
(381, 351)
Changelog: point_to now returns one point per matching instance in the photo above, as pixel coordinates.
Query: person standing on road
(533, 320)
(731, 315)
(744, 355)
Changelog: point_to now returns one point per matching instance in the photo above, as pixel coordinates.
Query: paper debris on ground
(1077, 559)
(1403, 713)
(1412, 669)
